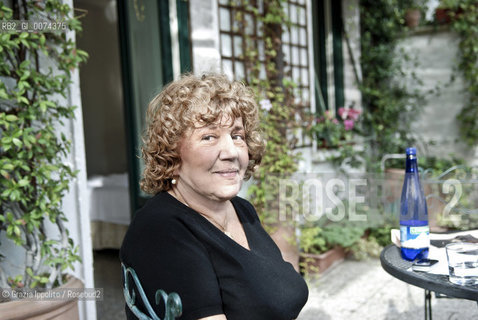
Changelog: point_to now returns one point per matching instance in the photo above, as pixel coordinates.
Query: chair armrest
(172, 302)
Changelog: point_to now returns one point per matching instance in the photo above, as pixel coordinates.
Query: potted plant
(323, 246)
(35, 68)
(336, 136)
(335, 132)
(413, 12)
(449, 10)
(313, 256)
(281, 117)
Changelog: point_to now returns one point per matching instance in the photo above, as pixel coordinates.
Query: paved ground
(107, 271)
(353, 290)
(363, 290)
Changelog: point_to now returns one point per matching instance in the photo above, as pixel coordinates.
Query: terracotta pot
(393, 192)
(319, 263)
(43, 310)
(412, 18)
(442, 15)
(393, 184)
(435, 210)
(284, 237)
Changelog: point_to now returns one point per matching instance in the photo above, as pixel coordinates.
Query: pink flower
(353, 114)
(335, 121)
(349, 124)
(343, 113)
(348, 113)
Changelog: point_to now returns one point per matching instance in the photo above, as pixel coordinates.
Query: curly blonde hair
(181, 105)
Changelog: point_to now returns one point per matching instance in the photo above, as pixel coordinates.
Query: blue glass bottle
(414, 230)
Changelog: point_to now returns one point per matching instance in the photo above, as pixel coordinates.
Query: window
(328, 57)
(296, 48)
(231, 37)
(295, 42)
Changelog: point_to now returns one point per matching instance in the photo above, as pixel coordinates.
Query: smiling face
(214, 159)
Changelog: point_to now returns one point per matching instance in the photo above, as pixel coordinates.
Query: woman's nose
(228, 148)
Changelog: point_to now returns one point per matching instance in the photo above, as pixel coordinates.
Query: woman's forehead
(223, 121)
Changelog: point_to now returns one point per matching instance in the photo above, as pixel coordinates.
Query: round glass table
(399, 268)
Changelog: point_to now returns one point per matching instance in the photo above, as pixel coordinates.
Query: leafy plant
(335, 132)
(434, 166)
(456, 191)
(341, 134)
(464, 16)
(381, 235)
(281, 114)
(35, 68)
(342, 235)
(366, 248)
(389, 105)
(372, 242)
(311, 240)
(414, 4)
(319, 239)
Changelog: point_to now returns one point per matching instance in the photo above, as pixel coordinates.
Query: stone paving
(363, 290)
(352, 290)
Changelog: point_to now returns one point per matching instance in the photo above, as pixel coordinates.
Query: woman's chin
(228, 192)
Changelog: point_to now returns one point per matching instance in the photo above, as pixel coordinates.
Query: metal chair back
(132, 286)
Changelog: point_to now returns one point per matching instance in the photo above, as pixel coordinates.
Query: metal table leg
(428, 305)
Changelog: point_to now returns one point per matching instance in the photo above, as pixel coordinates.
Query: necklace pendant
(227, 233)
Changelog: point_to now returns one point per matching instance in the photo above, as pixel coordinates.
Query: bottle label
(415, 237)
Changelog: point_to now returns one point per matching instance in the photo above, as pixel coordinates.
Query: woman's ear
(176, 170)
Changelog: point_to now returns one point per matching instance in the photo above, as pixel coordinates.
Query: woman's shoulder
(160, 210)
(158, 201)
(158, 224)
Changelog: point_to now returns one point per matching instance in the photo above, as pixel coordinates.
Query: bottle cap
(411, 151)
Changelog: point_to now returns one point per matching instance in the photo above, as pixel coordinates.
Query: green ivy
(279, 120)
(313, 241)
(464, 17)
(389, 105)
(36, 70)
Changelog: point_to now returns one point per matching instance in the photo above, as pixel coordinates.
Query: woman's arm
(216, 317)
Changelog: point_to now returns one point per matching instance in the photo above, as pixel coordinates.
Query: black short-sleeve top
(174, 248)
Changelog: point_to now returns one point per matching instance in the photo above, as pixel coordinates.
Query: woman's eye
(238, 137)
(207, 137)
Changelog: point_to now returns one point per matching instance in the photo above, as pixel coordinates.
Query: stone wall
(436, 52)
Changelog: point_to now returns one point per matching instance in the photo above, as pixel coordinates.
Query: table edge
(453, 290)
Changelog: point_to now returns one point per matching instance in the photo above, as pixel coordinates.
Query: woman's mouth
(227, 173)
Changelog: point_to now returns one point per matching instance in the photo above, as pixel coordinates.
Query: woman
(195, 236)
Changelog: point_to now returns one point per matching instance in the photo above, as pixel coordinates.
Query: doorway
(130, 60)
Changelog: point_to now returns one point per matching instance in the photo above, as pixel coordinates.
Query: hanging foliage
(36, 69)
(282, 115)
(464, 17)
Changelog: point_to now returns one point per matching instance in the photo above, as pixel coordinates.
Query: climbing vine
(464, 17)
(36, 71)
(281, 114)
(389, 105)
